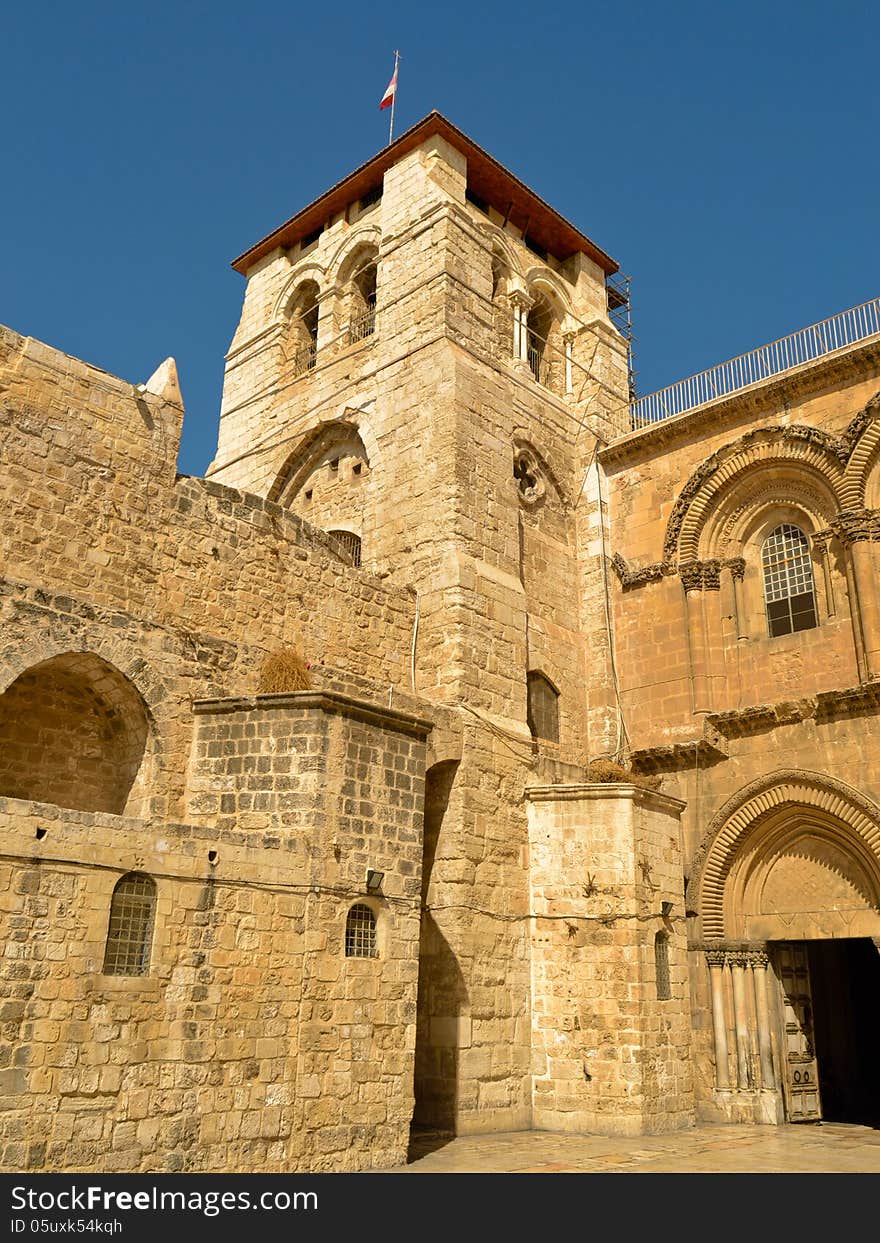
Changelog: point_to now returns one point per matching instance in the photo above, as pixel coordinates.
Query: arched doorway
(787, 894)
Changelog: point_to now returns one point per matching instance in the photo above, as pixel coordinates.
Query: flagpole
(393, 99)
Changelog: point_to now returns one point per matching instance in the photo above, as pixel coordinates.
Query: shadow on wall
(442, 996)
(74, 732)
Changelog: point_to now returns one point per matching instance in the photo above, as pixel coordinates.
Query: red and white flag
(391, 91)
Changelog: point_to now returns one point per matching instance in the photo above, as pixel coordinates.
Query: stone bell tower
(424, 369)
(423, 365)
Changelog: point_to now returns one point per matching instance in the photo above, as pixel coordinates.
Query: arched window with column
(789, 589)
(539, 325)
(130, 930)
(302, 347)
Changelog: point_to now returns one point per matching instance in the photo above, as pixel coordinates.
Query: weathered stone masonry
(426, 484)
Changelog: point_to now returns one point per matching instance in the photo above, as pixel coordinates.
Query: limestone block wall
(179, 584)
(610, 1032)
(690, 504)
(253, 1042)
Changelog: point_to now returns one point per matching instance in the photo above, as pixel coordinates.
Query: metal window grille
(350, 542)
(789, 591)
(661, 966)
(543, 708)
(130, 933)
(363, 325)
(360, 933)
(305, 358)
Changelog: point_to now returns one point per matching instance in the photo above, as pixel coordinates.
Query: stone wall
(610, 1040)
(253, 1042)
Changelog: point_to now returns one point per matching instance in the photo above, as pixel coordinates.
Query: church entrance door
(831, 1020)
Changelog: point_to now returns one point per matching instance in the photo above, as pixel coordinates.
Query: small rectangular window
(310, 240)
(371, 197)
(479, 203)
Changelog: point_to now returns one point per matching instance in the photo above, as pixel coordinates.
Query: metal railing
(538, 362)
(305, 358)
(363, 325)
(856, 324)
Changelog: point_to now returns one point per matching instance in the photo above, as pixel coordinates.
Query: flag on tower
(391, 91)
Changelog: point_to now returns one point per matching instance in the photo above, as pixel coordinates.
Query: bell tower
(424, 363)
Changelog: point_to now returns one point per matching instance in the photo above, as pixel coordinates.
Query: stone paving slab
(815, 1148)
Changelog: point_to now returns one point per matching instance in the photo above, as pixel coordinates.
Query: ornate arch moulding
(839, 464)
(746, 810)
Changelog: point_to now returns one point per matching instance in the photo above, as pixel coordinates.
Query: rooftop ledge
(594, 791)
(323, 701)
(794, 355)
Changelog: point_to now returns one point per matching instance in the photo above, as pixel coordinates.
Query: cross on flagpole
(390, 97)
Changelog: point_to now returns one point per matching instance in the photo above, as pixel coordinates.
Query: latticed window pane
(360, 932)
(130, 935)
(543, 708)
(788, 581)
(661, 966)
(350, 542)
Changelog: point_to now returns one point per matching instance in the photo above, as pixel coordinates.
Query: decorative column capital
(701, 575)
(737, 567)
(716, 958)
(519, 296)
(856, 526)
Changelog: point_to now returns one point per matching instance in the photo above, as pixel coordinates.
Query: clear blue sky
(725, 154)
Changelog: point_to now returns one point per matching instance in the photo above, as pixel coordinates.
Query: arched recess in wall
(545, 349)
(792, 856)
(301, 332)
(327, 480)
(75, 732)
(356, 285)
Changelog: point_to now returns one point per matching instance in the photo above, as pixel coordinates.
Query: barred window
(543, 707)
(130, 934)
(661, 966)
(360, 932)
(350, 542)
(789, 592)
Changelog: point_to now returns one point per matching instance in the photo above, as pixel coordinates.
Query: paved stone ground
(818, 1148)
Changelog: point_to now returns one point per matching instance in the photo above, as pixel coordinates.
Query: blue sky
(725, 154)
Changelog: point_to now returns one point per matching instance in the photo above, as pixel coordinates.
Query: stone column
(741, 1019)
(857, 531)
(759, 964)
(568, 341)
(695, 576)
(863, 569)
(716, 960)
(821, 542)
(737, 567)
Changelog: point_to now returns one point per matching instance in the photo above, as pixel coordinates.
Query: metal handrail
(363, 325)
(305, 358)
(846, 328)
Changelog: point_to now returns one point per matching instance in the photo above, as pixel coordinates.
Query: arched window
(538, 325)
(661, 966)
(130, 933)
(363, 303)
(303, 314)
(360, 932)
(789, 592)
(350, 542)
(543, 707)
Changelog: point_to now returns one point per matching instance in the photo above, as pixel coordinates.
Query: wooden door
(800, 1079)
